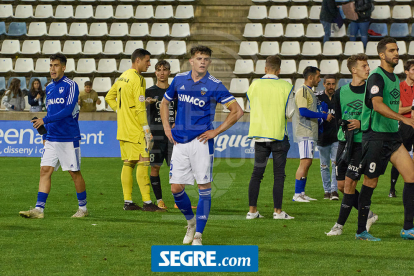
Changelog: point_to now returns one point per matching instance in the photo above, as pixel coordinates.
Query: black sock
(363, 208)
(356, 198)
(408, 202)
(156, 186)
(394, 177)
(346, 207)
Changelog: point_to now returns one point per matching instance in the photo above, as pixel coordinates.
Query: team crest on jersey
(61, 89)
(141, 98)
(203, 91)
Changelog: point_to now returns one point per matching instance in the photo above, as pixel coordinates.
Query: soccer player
(61, 143)
(381, 141)
(305, 128)
(127, 98)
(348, 104)
(162, 149)
(406, 131)
(193, 136)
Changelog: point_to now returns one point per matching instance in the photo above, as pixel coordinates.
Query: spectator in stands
(36, 96)
(88, 98)
(329, 14)
(328, 140)
(13, 98)
(364, 9)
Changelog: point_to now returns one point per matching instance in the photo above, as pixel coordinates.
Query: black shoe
(151, 207)
(131, 206)
(327, 195)
(334, 195)
(392, 194)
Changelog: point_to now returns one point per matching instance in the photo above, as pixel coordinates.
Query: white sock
(40, 209)
(148, 202)
(302, 193)
(83, 208)
(128, 201)
(296, 194)
(198, 235)
(192, 221)
(158, 200)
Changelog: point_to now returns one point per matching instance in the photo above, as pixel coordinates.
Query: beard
(391, 62)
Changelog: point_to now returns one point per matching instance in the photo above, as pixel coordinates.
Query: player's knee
(324, 167)
(175, 188)
(409, 177)
(155, 170)
(341, 186)
(46, 171)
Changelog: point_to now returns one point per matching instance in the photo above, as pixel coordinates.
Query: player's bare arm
(404, 110)
(384, 110)
(165, 113)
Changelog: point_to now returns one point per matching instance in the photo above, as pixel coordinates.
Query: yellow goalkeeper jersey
(127, 98)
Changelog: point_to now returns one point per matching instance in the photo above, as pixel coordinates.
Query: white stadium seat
(51, 47)
(294, 30)
(329, 66)
(338, 33)
(332, 48)
(174, 65)
(399, 69)
(10, 46)
(84, 12)
(257, 12)
(176, 48)
(118, 29)
(315, 31)
(269, 48)
(156, 47)
(124, 12)
(298, 83)
(92, 47)
(6, 65)
(81, 81)
(132, 45)
(314, 12)
(113, 47)
(402, 47)
(101, 84)
(160, 30)
(371, 49)
(288, 67)
(107, 65)
(23, 65)
(43, 11)
(243, 66)
(85, 66)
(311, 48)
(278, 12)
(260, 67)
(248, 48)
(124, 65)
(58, 29)
(411, 48)
(239, 85)
(290, 48)
(64, 11)
(78, 29)
(180, 30)
(344, 68)
(144, 12)
(401, 12)
(273, 30)
(150, 82)
(98, 29)
(37, 29)
(184, 12)
(353, 47)
(151, 69)
(101, 106)
(253, 30)
(70, 65)
(6, 11)
(305, 63)
(42, 65)
(31, 47)
(373, 63)
(23, 11)
(72, 47)
(139, 30)
(164, 12)
(298, 12)
(104, 12)
(381, 12)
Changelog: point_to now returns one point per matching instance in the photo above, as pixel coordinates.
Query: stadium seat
(257, 13)
(314, 12)
(273, 30)
(176, 48)
(253, 30)
(305, 63)
(399, 69)
(269, 48)
(338, 32)
(37, 29)
(43, 80)
(353, 47)
(311, 48)
(174, 65)
(401, 12)
(51, 47)
(132, 45)
(371, 49)
(113, 47)
(380, 28)
(17, 29)
(23, 11)
(151, 69)
(6, 11)
(2, 28)
(315, 31)
(10, 47)
(320, 87)
(298, 12)
(70, 65)
(399, 30)
(402, 48)
(343, 82)
(124, 12)
(298, 83)
(144, 12)
(332, 48)
(81, 81)
(381, 12)
(98, 29)
(260, 67)
(124, 65)
(6, 65)
(42, 65)
(58, 29)
(104, 12)
(23, 65)
(184, 12)
(160, 30)
(23, 86)
(243, 66)
(72, 47)
(101, 85)
(344, 68)
(2, 84)
(248, 48)
(180, 30)
(156, 47)
(164, 12)
(294, 30)
(43, 11)
(373, 63)
(78, 29)
(278, 12)
(329, 66)
(101, 106)
(84, 12)
(290, 48)
(106, 65)
(150, 82)
(92, 47)
(86, 66)
(260, 1)
(139, 30)
(239, 86)
(288, 67)
(118, 29)
(31, 47)
(64, 12)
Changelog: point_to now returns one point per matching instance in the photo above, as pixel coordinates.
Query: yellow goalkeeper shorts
(132, 151)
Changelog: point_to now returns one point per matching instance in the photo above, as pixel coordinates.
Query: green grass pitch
(115, 242)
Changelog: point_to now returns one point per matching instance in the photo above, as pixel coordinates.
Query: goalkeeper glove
(148, 138)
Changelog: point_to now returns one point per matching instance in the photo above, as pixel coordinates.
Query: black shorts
(407, 134)
(161, 151)
(350, 170)
(375, 156)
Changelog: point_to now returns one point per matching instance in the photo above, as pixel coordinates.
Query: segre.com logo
(219, 258)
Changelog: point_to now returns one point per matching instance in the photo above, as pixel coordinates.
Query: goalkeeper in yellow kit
(127, 98)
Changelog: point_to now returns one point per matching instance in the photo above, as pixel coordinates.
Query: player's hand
(330, 117)
(354, 124)
(150, 141)
(37, 123)
(169, 136)
(209, 134)
(150, 100)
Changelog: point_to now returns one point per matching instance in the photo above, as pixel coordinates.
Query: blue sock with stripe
(82, 200)
(41, 200)
(300, 185)
(203, 209)
(184, 204)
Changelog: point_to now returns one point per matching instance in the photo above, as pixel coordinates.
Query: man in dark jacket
(329, 12)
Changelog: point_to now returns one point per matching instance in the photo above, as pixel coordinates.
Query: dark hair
(273, 62)
(310, 71)
(328, 77)
(353, 60)
(139, 53)
(382, 44)
(88, 83)
(408, 64)
(60, 57)
(35, 92)
(15, 88)
(163, 63)
(200, 49)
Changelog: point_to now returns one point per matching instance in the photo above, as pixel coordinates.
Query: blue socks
(300, 185)
(82, 199)
(41, 200)
(203, 209)
(184, 204)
